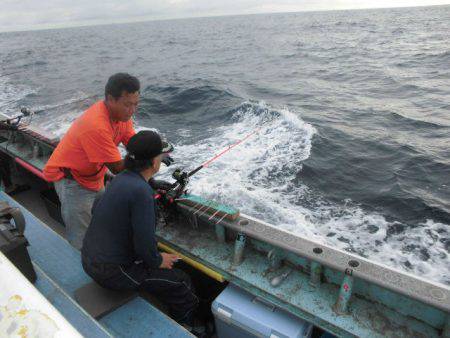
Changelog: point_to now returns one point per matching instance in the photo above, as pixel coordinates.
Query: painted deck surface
(79, 319)
(136, 320)
(60, 274)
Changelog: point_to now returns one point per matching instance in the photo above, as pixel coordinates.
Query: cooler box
(239, 314)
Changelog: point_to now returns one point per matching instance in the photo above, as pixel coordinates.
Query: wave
(416, 123)
(260, 178)
(196, 99)
(78, 98)
(62, 113)
(441, 56)
(11, 95)
(361, 24)
(267, 160)
(421, 59)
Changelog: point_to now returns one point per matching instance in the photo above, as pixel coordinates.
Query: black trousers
(172, 286)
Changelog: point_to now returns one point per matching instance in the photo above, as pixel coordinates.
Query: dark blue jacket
(122, 229)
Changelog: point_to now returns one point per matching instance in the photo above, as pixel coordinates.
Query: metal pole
(345, 292)
(316, 274)
(239, 246)
(220, 233)
(275, 259)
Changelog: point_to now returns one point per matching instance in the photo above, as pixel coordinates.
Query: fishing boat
(330, 291)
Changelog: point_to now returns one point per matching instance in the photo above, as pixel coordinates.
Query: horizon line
(92, 23)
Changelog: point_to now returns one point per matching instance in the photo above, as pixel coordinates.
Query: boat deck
(374, 311)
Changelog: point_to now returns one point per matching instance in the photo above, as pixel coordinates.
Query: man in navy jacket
(120, 250)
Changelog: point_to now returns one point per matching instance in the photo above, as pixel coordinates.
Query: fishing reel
(177, 189)
(182, 177)
(166, 206)
(13, 122)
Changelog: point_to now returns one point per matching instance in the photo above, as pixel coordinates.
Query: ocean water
(353, 106)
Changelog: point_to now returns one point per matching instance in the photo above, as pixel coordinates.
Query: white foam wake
(257, 177)
(59, 116)
(10, 95)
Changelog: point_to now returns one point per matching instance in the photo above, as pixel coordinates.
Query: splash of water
(258, 177)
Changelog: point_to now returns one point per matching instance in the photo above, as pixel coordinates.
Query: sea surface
(353, 106)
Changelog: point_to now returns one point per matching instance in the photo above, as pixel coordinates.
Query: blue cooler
(239, 314)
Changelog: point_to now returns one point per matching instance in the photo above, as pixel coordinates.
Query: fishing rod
(208, 162)
(182, 177)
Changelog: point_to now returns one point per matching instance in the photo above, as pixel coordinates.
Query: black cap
(146, 145)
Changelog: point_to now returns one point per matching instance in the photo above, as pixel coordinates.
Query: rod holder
(316, 274)
(220, 233)
(239, 246)
(345, 293)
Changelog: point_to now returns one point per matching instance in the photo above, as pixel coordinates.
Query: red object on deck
(31, 169)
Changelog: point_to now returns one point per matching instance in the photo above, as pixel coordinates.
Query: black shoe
(200, 332)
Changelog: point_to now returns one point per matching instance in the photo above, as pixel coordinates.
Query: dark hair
(137, 165)
(120, 82)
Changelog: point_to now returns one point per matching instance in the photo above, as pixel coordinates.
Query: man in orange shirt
(81, 159)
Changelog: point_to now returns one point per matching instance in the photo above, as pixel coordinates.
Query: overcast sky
(32, 14)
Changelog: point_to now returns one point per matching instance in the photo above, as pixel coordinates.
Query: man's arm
(100, 148)
(143, 221)
(116, 167)
(129, 133)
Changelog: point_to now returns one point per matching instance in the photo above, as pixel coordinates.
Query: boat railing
(319, 259)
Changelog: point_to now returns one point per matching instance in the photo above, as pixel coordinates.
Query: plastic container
(239, 314)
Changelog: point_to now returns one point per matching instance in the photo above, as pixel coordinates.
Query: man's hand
(167, 160)
(168, 260)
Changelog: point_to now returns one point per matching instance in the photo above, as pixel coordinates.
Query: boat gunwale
(404, 283)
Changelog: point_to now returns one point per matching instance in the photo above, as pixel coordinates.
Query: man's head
(145, 150)
(122, 96)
